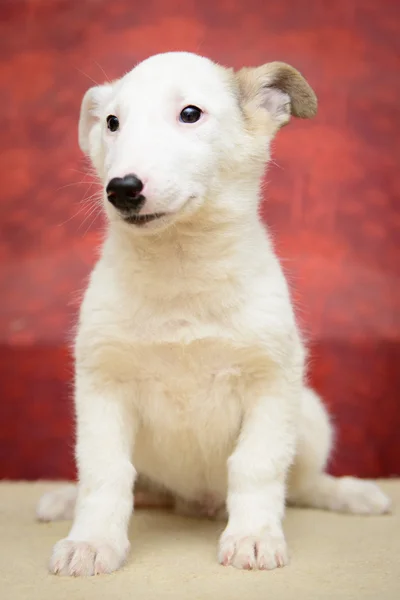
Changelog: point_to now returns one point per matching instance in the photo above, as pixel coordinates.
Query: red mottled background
(332, 201)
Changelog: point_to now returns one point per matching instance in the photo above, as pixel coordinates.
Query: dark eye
(112, 123)
(190, 114)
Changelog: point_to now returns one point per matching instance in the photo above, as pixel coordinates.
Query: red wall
(332, 201)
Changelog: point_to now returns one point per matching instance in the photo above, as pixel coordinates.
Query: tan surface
(333, 556)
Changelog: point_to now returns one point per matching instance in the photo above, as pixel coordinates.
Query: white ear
(92, 102)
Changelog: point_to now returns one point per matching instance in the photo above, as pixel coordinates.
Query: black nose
(124, 192)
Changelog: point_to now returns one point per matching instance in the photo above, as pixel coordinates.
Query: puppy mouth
(142, 219)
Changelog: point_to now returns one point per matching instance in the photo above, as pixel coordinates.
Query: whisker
(102, 70)
(91, 172)
(273, 162)
(97, 196)
(78, 212)
(85, 196)
(88, 76)
(92, 210)
(74, 183)
(96, 212)
(87, 204)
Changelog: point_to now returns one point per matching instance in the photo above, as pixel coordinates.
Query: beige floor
(333, 557)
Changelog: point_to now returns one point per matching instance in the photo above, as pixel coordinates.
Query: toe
(83, 559)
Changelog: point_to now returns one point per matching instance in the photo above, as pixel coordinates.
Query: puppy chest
(192, 401)
(185, 438)
(190, 417)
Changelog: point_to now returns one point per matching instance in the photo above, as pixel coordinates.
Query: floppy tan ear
(90, 113)
(279, 89)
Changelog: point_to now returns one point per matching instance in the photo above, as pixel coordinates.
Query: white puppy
(190, 369)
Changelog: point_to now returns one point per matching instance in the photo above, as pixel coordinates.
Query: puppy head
(179, 132)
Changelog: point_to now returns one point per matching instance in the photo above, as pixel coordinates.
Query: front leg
(98, 540)
(257, 470)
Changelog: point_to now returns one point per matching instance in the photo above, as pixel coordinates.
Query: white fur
(189, 363)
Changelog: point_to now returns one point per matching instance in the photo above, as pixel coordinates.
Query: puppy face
(179, 133)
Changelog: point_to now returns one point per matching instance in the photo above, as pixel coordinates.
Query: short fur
(190, 369)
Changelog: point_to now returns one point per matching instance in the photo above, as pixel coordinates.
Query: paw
(57, 505)
(85, 558)
(362, 497)
(253, 551)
